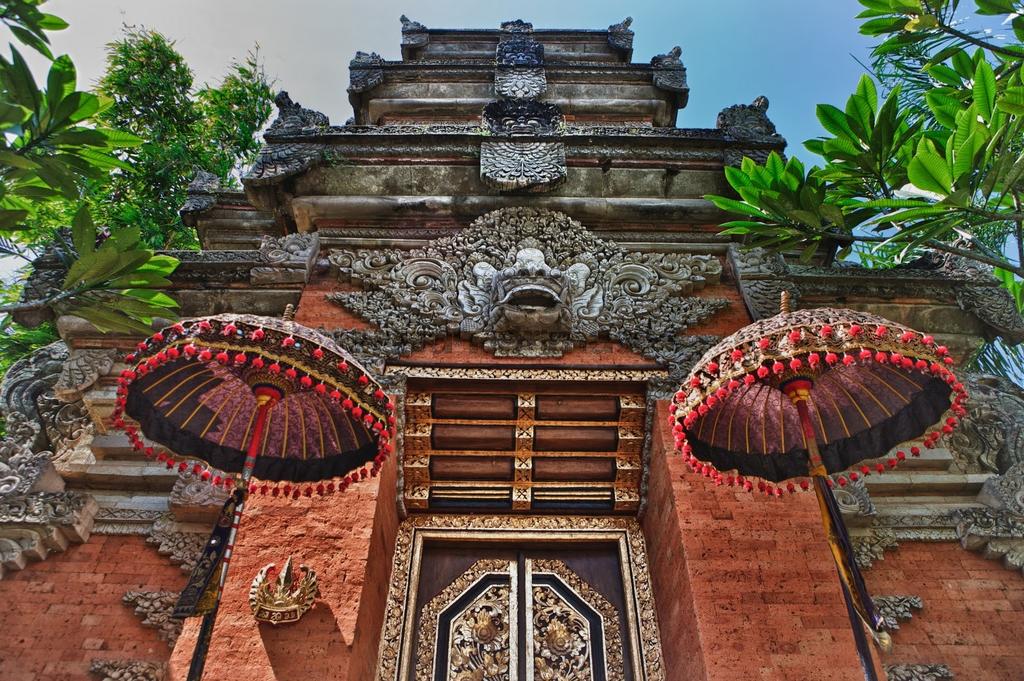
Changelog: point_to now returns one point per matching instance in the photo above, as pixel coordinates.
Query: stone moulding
(530, 283)
(762, 275)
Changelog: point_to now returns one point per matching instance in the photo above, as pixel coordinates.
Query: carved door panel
(520, 615)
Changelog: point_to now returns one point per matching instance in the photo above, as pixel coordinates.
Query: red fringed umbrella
(254, 397)
(786, 401)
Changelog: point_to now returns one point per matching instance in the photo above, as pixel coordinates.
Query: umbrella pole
(195, 670)
(800, 396)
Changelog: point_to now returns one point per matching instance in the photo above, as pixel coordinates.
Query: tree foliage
(214, 128)
(52, 147)
(935, 161)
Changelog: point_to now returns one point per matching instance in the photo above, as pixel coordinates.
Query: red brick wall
(64, 612)
(338, 537)
(745, 586)
(973, 615)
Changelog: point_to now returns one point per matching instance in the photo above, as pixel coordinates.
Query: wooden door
(521, 613)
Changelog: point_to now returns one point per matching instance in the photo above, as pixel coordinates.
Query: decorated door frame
(397, 651)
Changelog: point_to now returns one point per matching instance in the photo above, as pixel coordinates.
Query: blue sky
(796, 52)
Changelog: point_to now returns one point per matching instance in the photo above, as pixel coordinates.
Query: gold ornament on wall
(284, 599)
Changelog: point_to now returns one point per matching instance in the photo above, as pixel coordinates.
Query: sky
(795, 52)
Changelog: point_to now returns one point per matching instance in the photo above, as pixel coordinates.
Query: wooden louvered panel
(553, 449)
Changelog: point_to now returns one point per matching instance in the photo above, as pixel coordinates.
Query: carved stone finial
(293, 119)
(414, 34)
(669, 72)
(670, 59)
(365, 72)
(517, 26)
(749, 123)
(410, 26)
(620, 37)
(285, 599)
(201, 195)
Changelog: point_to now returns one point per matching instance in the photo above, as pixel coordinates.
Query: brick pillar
(745, 586)
(348, 539)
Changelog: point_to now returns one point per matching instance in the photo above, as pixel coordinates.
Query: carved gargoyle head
(530, 297)
(522, 117)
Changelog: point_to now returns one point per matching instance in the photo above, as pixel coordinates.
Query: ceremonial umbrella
(278, 408)
(786, 401)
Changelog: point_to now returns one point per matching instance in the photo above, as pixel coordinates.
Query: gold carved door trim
(397, 653)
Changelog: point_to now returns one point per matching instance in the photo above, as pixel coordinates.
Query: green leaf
(50, 22)
(883, 25)
(995, 6)
(31, 39)
(1012, 101)
(9, 158)
(834, 120)
(945, 75)
(963, 64)
(60, 81)
(734, 206)
(984, 89)
(928, 171)
(943, 107)
(83, 232)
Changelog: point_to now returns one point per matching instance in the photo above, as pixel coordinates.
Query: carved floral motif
(108, 670)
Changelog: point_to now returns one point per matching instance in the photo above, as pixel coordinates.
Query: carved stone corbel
(107, 670)
(290, 259)
(918, 672)
(896, 609)
(155, 608)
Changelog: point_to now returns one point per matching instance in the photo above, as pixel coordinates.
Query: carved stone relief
(290, 259)
(534, 283)
(996, 534)
(520, 82)
(990, 439)
(155, 608)
(37, 516)
(522, 166)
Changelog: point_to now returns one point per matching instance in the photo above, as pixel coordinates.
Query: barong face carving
(532, 283)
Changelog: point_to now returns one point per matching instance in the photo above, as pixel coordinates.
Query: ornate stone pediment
(532, 283)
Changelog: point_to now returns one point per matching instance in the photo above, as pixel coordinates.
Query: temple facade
(510, 232)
